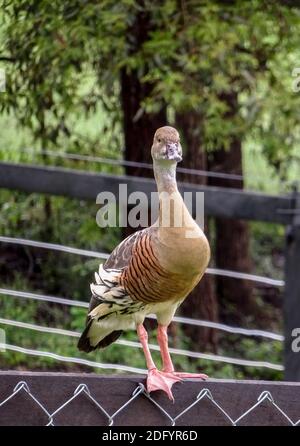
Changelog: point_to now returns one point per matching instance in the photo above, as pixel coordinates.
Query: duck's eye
(159, 140)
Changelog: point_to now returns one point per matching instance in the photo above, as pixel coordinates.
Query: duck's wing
(121, 255)
(108, 298)
(119, 259)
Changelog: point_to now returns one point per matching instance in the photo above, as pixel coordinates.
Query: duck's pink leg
(168, 368)
(156, 380)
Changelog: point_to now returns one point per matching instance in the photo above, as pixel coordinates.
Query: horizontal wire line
(43, 297)
(133, 344)
(54, 246)
(227, 328)
(217, 358)
(102, 255)
(41, 328)
(179, 319)
(120, 162)
(99, 365)
(245, 276)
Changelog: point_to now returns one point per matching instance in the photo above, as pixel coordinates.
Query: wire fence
(132, 344)
(208, 406)
(178, 319)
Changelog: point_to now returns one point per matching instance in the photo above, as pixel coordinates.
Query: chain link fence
(94, 402)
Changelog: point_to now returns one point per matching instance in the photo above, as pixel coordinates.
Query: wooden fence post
(292, 295)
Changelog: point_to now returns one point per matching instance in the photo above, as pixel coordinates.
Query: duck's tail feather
(87, 343)
(108, 299)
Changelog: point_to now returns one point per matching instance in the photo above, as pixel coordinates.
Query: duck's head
(166, 145)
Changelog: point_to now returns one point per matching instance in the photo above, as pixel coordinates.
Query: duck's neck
(171, 206)
(165, 176)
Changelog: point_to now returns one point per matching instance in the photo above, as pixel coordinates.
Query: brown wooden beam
(219, 202)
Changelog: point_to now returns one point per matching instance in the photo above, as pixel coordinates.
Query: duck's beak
(173, 152)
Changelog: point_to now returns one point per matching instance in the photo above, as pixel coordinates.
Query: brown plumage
(151, 271)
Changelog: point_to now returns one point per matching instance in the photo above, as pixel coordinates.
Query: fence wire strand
(70, 359)
(141, 392)
(126, 163)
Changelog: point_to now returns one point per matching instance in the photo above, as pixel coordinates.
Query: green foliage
(67, 57)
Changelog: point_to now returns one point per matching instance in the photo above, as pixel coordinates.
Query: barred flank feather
(144, 279)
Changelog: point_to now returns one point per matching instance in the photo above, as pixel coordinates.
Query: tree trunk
(202, 302)
(235, 296)
(139, 127)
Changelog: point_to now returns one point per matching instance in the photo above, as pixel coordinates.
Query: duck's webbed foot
(157, 380)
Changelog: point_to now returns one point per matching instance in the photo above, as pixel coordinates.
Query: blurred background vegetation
(97, 78)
